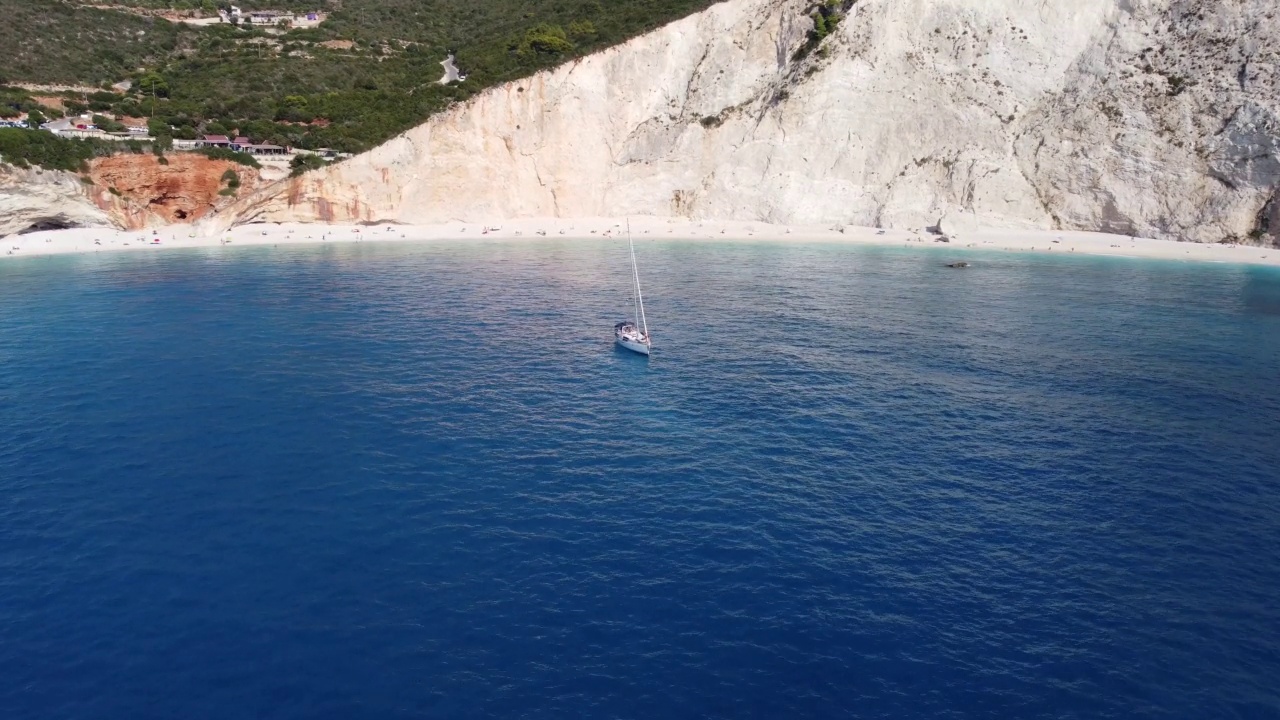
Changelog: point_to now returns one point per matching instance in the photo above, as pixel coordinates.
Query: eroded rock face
(1154, 117)
(1157, 117)
(123, 191)
(45, 199)
(1169, 128)
(183, 190)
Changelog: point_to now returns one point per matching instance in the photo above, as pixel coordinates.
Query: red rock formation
(182, 191)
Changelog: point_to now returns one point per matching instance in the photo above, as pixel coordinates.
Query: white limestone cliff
(1170, 126)
(1154, 117)
(35, 199)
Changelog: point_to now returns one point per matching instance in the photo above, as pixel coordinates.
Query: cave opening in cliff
(48, 224)
(180, 214)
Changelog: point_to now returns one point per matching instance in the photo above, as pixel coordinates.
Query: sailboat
(628, 335)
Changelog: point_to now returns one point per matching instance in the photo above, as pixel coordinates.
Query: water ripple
(419, 480)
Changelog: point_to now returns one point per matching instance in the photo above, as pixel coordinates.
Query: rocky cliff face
(1154, 117)
(183, 189)
(1170, 125)
(123, 191)
(46, 200)
(1148, 117)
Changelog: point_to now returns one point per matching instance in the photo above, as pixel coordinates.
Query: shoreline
(98, 240)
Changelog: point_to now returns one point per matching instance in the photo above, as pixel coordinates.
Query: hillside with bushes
(369, 71)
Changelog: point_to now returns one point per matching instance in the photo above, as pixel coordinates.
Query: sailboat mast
(635, 284)
(635, 271)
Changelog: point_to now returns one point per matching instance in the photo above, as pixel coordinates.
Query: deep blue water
(404, 481)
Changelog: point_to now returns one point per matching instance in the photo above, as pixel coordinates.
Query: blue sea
(419, 480)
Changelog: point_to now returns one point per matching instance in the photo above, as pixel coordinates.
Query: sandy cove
(93, 240)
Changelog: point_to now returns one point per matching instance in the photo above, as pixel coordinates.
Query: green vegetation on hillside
(14, 102)
(27, 148)
(47, 41)
(217, 153)
(368, 72)
(826, 15)
(302, 163)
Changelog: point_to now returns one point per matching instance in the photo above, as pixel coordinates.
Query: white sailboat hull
(634, 346)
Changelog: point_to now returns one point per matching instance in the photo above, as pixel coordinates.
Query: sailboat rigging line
(635, 302)
(644, 324)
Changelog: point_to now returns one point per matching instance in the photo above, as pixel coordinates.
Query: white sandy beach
(96, 240)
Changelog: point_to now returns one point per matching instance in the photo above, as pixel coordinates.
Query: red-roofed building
(215, 141)
(240, 142)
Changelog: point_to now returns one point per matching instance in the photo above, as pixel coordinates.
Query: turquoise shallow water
(419, 480)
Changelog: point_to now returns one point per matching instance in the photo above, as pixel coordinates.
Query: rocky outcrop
(125, 191)
(182, 188)
(37, 199)
(1170, 127)
(1155, 117)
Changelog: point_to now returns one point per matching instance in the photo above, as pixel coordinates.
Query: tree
(35, 119)
(153, 85)
(304, 162)
(107, 124)
(545, 39)
(582, 29)
(289, 114)
(819, 25)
